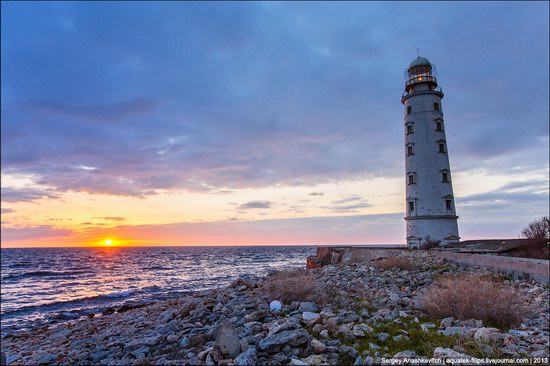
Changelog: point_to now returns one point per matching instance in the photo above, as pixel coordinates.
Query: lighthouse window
(441, 147)
(412, 179)
(410, 150)
(449, 204)
(436, 106)
(445, 177)
(439, 126)
(409, 110)
(411, 206)
(409, 129)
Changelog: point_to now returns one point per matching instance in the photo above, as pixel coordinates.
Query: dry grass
(395, 262)
(301, 285)
(468, 297)
(291, 286)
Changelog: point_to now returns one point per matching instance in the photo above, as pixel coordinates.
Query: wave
(86, 300)
(159, 268)
(43, 274)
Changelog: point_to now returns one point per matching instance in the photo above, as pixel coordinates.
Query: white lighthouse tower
(430, 206)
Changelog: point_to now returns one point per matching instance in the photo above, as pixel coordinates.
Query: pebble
(239, 325)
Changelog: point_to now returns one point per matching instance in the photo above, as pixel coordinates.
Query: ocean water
(48, 285)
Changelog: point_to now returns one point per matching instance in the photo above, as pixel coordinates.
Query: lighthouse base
(424, 229)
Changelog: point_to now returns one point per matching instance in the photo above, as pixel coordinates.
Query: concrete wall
(526, 268)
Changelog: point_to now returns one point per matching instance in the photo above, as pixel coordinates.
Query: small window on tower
(411, 206)
(409, 110)
(449, 204)
(445, 177)
(409, 129)
(412, 179)
(439, 126)
(441, 147)
(410, 150)
(436, 106)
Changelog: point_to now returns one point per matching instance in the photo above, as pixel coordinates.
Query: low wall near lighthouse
(517, 267)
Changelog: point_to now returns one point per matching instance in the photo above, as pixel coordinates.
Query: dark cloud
(256, 204)
(347, 199)
(6, 210)
(32, 232)
(169, 96)
(111, 218)
(25, 194)
(316, 194)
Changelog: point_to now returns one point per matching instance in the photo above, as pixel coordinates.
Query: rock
(368, 361)
(316, 360)
(99, 355)
(275, 305)
(440, 352)
(108, 311)
(451, 331)
(348, 317)
(383, 337)
(426, 327)
(326, 313)
(3, 359)
(46, 359)
(247, 358)
(296, 362)
(539, 354)
(447, 322)
(373, 346)
(344, 331)
(486, 334)
(308, 306)
(293, 338)
(317, 346)
(324, 334)
(308, 316)
(518, 333)
(358, 361)
(405, 354)
(227, 340)
(141, 352)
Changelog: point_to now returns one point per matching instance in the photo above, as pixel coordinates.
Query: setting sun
(108, 242)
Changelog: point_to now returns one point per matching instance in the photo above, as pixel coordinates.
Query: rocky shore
(355, 313)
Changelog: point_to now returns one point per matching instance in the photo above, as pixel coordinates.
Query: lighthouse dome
(420, 61)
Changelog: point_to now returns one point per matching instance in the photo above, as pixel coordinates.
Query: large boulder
(440, 352)
(247, 358)
(227, 340)
(294, 337)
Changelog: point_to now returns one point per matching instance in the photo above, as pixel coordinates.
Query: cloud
(25, 194)
(256, 204)
(347, 199)
(316, 194)
(22, 233)
(111, 218)
(6, 210)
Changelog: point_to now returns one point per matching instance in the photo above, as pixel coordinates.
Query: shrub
(429, 243)
(468, 297)
(533, 248)
(538, 229)
(395, 262)
(291, 286)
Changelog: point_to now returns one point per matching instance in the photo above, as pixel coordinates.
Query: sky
(241, 123)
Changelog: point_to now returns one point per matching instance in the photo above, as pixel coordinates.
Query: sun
(108, 242)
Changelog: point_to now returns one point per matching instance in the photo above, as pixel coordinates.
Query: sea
(48, 285)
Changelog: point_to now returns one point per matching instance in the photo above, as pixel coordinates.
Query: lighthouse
(430, 205)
